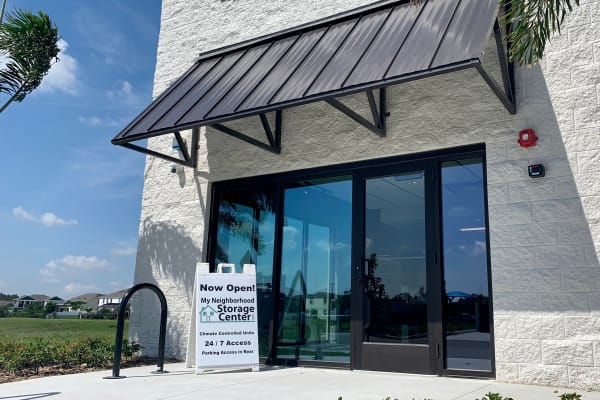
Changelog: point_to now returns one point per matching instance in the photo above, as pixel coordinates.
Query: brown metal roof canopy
(363, 50)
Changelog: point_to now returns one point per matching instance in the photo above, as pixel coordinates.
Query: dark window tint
(467, 307)
(245, 235)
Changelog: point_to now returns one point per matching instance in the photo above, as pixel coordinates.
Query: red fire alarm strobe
(527, 138)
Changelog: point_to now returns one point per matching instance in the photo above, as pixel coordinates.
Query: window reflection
(315, 272)
(396, 287)
(245, 235)
(467, 308)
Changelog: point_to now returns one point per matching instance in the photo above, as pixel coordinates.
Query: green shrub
(27, 355)
(570, 396)
(495, 396)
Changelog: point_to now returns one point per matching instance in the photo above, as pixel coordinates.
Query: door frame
(362, 351)
(357, 169)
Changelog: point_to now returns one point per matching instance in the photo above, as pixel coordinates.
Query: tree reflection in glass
(245, 235)
(396, 287)
(465, 266)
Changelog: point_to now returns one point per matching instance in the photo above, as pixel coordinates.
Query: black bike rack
(121, 325)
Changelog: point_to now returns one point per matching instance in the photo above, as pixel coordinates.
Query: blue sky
(69, 200)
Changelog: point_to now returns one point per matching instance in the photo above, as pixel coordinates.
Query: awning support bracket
(189, 153)
(273, 136)
(378, 112)
(507, 94)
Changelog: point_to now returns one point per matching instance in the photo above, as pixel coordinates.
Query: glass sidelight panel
(245, 235)
(314, 315)
(395, 252)
(465, 266)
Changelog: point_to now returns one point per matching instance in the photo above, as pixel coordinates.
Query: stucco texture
(544, 233)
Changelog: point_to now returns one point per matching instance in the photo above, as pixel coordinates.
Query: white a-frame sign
(226, 317)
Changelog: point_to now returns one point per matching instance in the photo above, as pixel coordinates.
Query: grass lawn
(59, 328)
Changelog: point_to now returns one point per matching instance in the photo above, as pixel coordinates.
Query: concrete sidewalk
(271, 383)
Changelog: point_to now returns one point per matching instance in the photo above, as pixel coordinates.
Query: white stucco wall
(544, 233)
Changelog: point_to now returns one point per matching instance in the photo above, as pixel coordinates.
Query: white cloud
(21, 213)
(85, 263)
(102, 121)
(124, 251)
(479, 248)
(325, 245)
(79, 288)
(62, 76)
(56, 270)
(123, 95)
(114, 283)
(49, 219)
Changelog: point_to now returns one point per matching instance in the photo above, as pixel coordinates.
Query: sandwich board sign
(226, 318)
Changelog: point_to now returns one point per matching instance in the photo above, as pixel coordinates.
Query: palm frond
(30, 42)
(533, 22)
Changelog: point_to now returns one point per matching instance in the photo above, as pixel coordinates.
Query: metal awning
(363, 50)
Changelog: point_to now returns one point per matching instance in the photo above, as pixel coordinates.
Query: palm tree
(532, 24)
(29, 42)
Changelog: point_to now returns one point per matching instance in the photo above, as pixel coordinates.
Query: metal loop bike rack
(121, 324)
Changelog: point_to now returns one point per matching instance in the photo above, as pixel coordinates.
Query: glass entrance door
(314, 289)
(379, 266)
(421, 282)
(394, 274)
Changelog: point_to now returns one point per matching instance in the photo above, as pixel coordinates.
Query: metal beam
(379, 113)
(278, 129)
(190, 154)
(157, 154)
(506, 67)
(374, 111)
(383, 112)
(274, 145)
(182, 147)
(194, 147)
(267, 128)
(502, 96)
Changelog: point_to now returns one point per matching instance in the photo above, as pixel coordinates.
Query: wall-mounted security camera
(173, 168)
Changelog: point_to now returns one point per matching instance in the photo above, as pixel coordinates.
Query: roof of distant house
(86, 297)
(114, 295)
(90, 300)
(39, 297)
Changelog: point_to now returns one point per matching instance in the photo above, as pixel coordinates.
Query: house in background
(39, 299)
(89, 300)
(111, 301)
(385, 155)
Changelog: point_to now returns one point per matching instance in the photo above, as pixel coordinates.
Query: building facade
(429, 249)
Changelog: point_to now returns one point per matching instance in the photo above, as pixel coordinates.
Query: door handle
(359, 270)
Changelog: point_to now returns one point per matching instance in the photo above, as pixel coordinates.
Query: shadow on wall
(541, 230)
(544, 266)
(171, 252)
(169, 256)
(542, 247)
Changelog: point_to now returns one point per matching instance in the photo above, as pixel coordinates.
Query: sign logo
(226, 322)
(207, 313)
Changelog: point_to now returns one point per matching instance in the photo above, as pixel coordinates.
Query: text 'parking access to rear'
(226, 317)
